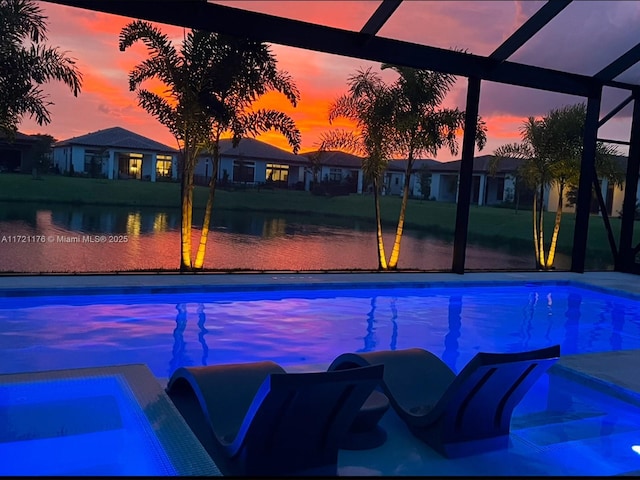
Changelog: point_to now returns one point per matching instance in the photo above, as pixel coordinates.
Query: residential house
(394, 177)
(16, 155)
(487, 188)
(119, 153)
(116, 153)
(253, 162)
(612, 194)
(336, 168)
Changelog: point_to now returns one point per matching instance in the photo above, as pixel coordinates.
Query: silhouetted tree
(211, 84)
(26, 63)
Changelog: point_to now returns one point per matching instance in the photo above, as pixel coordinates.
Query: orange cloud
(504, 127)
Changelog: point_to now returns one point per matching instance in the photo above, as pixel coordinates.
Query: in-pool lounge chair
(460, 414)
(256, 419)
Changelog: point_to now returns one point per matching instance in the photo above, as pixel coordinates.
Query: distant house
(116, 153)
(612, 195)
(486, 188)
(119, 153)
(253, 162)
(335, 167)
(442, 180)
(16, 155)
(394, 176)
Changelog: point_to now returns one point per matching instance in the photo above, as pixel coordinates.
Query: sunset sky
(583, 38)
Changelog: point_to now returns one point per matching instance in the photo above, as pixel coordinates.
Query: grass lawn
(487, 225)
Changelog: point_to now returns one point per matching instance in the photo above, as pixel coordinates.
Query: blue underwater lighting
(636, 448)
(88, 426)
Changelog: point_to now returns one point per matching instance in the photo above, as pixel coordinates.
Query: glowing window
(277, 172)
(163, 166)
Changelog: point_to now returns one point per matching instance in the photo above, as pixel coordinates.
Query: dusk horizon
(91, 38)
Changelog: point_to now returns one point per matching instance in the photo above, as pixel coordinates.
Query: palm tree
(27, 63)
(403, 118)
(423, 127)
(369, 104)
(211, 84)
(551, 150)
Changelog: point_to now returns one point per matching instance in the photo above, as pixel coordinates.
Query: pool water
(308, 327)
(560, 428)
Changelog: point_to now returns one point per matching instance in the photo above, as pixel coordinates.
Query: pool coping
(613, 373)
(19, 286)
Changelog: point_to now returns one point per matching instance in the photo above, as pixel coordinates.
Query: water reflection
(572, 324)
(527, 319)
(202, 318)
(370, 340)
(394, 325)
(238, 241)
(451, 353)
(100, 220)
(547, 334)
(179, 356)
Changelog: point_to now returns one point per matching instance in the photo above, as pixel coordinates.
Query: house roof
(480, 164)
(117, 137)
(19, 138)
(252, 148)
(335, 158)
(401, 165)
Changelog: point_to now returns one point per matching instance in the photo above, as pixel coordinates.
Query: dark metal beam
(466, 175)
(529, 28)
(626, 256)
(587, 169)
(617, 142)
(613, 112)
(202, 15)
(605, 215)
(380, 16)
(619, 65)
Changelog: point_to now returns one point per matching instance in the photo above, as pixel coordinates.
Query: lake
(35, 238)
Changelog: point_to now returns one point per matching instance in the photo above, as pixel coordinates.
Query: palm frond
(264, 120)
(49, 63)
(343, 140)
(26, 64)
(161, 110)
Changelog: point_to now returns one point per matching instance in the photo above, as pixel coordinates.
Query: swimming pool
(303, 321)
(308, 326)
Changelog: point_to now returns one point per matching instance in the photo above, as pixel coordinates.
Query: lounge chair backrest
(411, 376)
(224, 413)
(484, 394)
(297, 419)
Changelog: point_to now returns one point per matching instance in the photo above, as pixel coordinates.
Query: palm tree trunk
(395, 253)
(541, 260)
(556, 228)
(535, 229)
(199, 263)
(382, 259)
(186, 211)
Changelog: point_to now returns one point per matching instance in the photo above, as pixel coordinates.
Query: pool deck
(611, 373)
